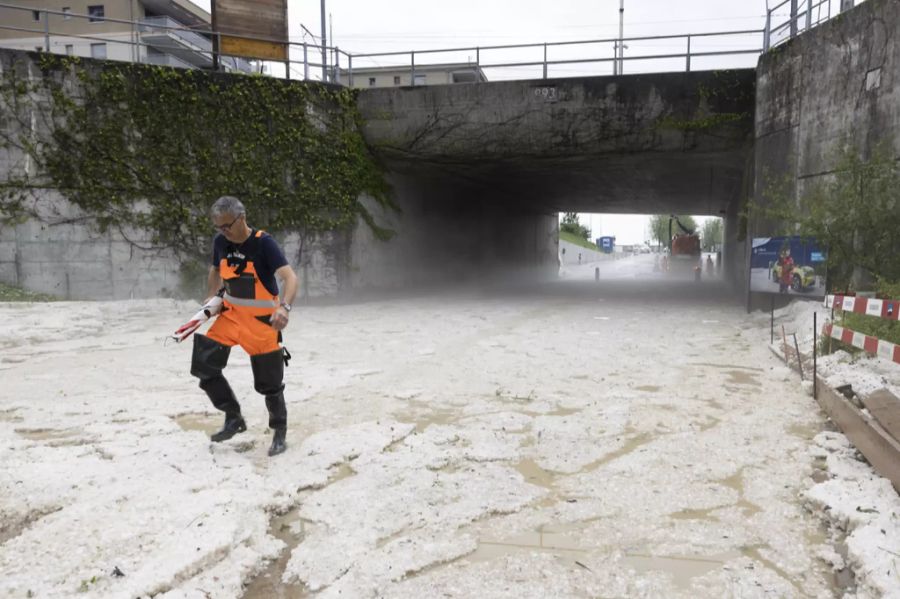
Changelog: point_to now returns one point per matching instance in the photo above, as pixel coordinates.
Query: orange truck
(684, 249)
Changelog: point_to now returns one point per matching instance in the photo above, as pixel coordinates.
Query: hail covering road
(627, 437)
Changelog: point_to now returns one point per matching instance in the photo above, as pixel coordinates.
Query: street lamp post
(324, 47)
(621, 36)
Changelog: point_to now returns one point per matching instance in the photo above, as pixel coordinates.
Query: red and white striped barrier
(872, 345)
(881, 308)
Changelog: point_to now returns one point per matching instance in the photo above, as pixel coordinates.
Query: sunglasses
(227, 227)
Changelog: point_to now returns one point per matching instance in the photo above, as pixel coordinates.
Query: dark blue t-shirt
(263, 251)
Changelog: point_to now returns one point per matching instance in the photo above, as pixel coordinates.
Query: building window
(396, 79)
(419, 80)
(371, 81)
(67, 13)
(96, 13)
(36, 15)
(98, 51)
(70, 49)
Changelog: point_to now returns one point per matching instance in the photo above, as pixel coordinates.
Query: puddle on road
(10, 415)
(550, 539)
(715, 404)
(422, 421)
(267, 584)
(711, 421)
(820, 470)
(46, 434)
(559, 411)
(753, 552)
(648, 388)
(736, 482)
(689, 514)
(630, 445)
(682, 568)
(728, 366)
(843, 579)
(737, 377)
(804, 431)
(290, 528)
(536, 475)
(204, 422)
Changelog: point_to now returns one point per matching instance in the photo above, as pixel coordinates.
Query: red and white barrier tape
(881, 308)
(872, 345)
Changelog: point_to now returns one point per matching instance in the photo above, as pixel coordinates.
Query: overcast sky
(368, 26)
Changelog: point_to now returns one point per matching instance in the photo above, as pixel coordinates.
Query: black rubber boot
(278, 443)
(233, 425)
(268, 377)
(207, 363)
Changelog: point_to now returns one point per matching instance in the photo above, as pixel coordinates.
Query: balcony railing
(152, 27)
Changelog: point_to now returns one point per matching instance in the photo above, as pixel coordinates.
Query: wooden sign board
(241, 46)
(252, 28)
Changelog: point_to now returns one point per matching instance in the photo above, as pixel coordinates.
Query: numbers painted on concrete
(546, 93)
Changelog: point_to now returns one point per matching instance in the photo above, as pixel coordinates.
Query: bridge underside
(483, 170)
(643, 183)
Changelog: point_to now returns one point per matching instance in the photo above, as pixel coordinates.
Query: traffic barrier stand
(874, 431)
(877, 308)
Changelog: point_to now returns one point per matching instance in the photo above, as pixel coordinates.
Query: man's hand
(279, 319)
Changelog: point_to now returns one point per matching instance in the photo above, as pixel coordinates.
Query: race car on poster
(802, 277)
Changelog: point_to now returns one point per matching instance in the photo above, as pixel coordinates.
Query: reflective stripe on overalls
(248, 308)
(244, 291)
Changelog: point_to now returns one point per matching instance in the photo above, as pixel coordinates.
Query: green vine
(720, 99)
(700, 124)
(145, 147)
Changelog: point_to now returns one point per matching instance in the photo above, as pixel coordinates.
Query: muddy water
(682, 569)
(288, 528)
(46, 434)
(728, 366)
(754, 554)
(647, 388)
(291, 529)
(739, 377)
(536, 475)
(805, 431)
(736, 482)
(558, 543)
(424, 419)
(633, 443)
(10, 415)
(204, 422)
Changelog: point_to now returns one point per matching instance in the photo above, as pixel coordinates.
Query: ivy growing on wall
(144, 147)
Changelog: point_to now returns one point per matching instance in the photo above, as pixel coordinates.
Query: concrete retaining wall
(838, 83)
(445, 230)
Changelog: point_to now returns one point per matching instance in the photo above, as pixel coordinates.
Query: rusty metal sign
(251, 28)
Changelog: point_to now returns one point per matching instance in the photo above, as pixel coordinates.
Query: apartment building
(436, 74)
(164, 32)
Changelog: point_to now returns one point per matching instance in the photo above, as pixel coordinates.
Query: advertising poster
(787, 265)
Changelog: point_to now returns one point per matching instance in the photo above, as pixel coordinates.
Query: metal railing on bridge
(163, 40)
(802, 15)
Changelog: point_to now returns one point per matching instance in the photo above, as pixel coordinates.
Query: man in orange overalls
(246, 263)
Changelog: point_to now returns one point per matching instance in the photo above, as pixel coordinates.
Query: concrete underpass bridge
(482, 170)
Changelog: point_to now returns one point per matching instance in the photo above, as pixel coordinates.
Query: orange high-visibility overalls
(246, 311)
(244, 321)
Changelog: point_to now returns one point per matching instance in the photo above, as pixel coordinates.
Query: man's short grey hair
(228, 205)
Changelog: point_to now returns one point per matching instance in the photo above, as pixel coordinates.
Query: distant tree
(711, 234)
(659, 227)
(571, 225)
(855, 214)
